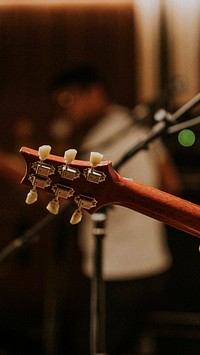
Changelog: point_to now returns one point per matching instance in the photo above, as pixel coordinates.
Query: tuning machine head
(60, 191)
(32, 196)
(53, 206)
(83, 202)
(66, 171)
(41, 176)
(43, 152)
(95, 158)
(69, 155)
(91, 174)
(76, 217)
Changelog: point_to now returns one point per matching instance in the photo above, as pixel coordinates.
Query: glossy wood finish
(116, 190)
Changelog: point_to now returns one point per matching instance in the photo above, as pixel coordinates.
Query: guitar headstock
(85, 183)
(93, 184)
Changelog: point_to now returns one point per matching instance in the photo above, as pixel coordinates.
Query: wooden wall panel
(36, 43)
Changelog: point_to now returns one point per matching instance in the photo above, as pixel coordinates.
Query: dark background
(35, 44)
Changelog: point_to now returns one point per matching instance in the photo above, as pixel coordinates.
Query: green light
(186, 138)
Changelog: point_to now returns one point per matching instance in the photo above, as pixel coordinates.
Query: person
(136, 260)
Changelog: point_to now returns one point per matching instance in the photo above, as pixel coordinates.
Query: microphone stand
(166, 123)
(98, 298)
(21, 242)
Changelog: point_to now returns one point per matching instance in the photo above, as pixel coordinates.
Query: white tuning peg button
(70, 155)
(53, 206)
(44, 151)
(76, 217)
(95, 158)
(31, 197)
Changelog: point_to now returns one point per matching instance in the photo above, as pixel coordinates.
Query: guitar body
(103, 186)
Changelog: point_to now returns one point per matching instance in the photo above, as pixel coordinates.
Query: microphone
(163, 115)
(143, 113)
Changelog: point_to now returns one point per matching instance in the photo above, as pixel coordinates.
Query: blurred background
(148, 51)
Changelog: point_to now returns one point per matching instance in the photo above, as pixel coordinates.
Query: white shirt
(135, 245)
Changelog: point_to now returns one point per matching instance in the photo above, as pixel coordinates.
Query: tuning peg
(65, 170)
(76, 217)
(70, 155)
(31, 197)
(44, 151)
(95, 158)
(91, 174)
(53, 206)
